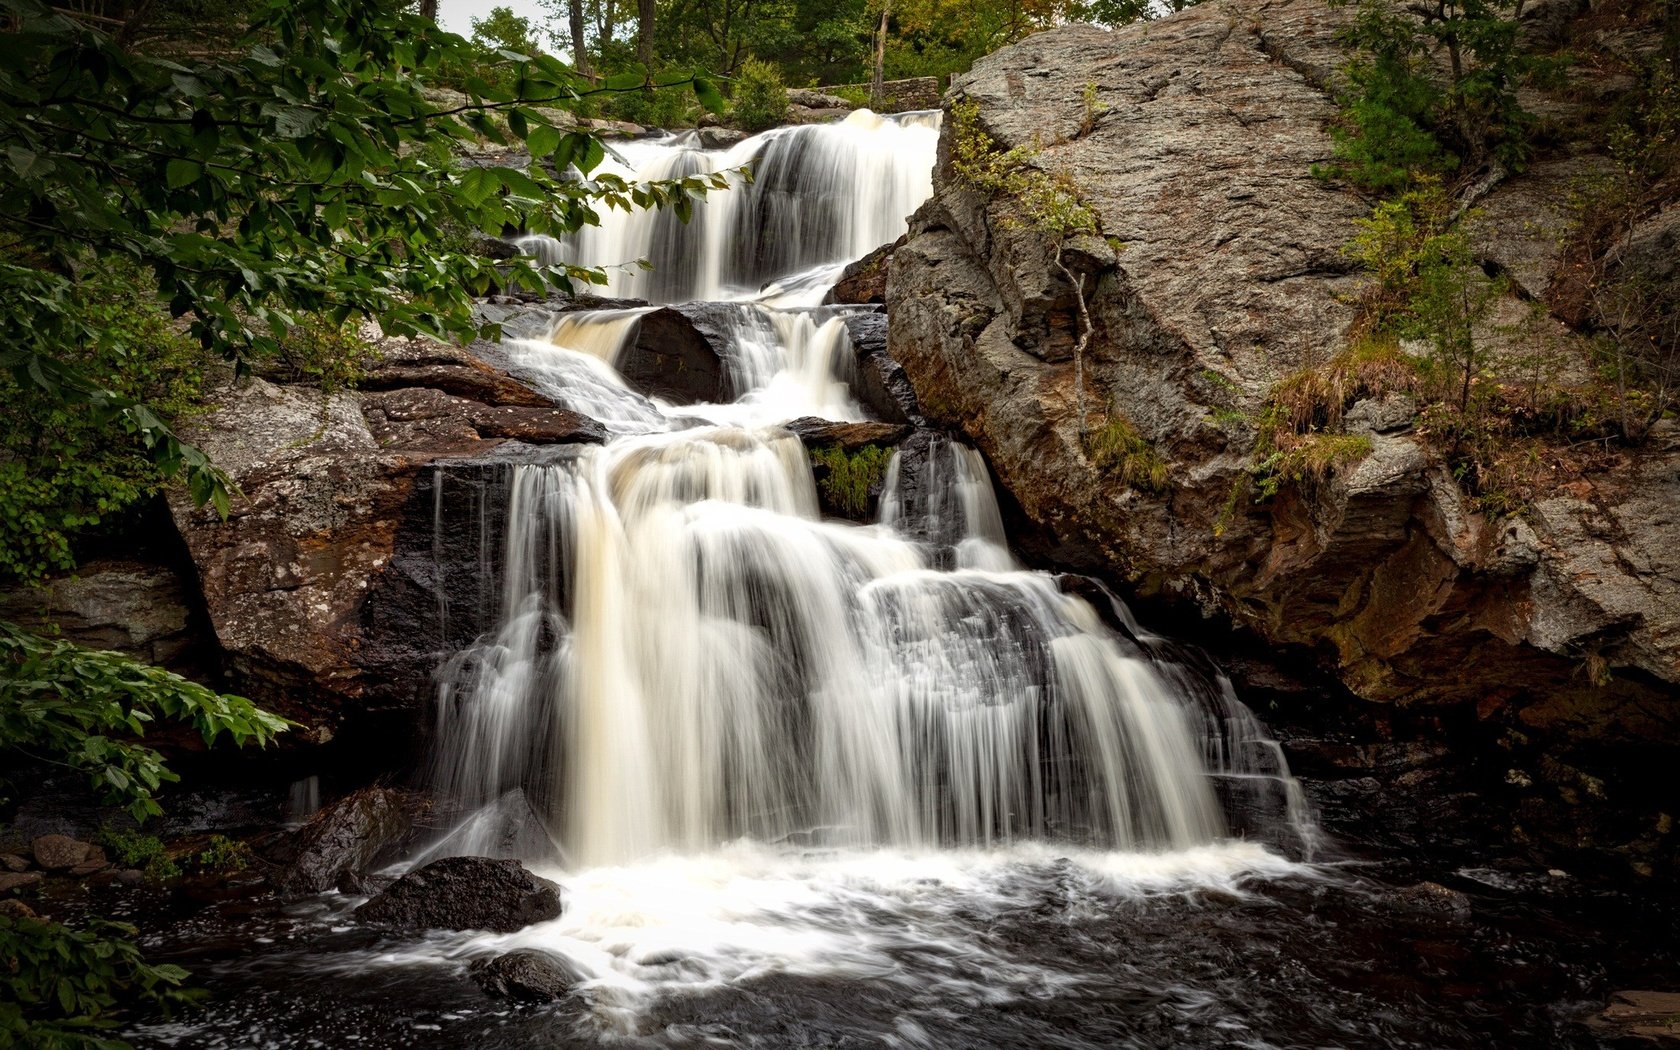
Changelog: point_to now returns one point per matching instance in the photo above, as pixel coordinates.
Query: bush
(760, 96)
(146, 853)
(654, 107)
(64, 469)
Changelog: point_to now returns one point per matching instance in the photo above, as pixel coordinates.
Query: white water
(739, 728)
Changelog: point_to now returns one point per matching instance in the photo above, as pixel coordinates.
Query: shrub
(64, 469)
(761, 100)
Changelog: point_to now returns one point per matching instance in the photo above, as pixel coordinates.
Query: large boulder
(348, 836)
(326, 482)
(1220, 271)
(465, 893)
(142, 608)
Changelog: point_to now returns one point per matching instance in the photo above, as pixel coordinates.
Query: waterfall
(820, 196)
(685, 654)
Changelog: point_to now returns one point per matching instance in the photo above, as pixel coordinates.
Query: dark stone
(15, 909)
(882, 385)
(348, 835)
(526, 975)
(675, 355)
(720, 138)
(465, 893)
(1432, 898)
(12, 881)
(848, 437)
(14, 862)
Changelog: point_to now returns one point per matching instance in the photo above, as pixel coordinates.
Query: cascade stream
(698, 689)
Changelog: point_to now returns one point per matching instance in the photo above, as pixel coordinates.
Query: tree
(645, 16)
(501, 28)
(304, 172)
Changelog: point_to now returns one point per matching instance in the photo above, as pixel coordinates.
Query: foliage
(1049, 203)
(1631, 296)
(1119, 450)
(303, 171)
(147, 853)
(1401, 119)
(75, 706)
(1307, 459)
(1316, 397)
(66, 986)
(64, 469)
(224, 855)
(846, 479)
(1427, 284)
(760, 96)
(328, 355)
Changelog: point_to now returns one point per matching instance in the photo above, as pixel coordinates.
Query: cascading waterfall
(820, 196)
(687, 658)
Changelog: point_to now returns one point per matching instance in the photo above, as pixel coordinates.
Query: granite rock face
(326, 482)
(1221, 271)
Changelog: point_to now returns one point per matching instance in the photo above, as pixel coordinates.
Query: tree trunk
(580, 48)
(877, 90)
(644, 34)
(428, 10)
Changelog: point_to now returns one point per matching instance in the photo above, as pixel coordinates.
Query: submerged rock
(345, 838)
(465, 893)
(527, 975)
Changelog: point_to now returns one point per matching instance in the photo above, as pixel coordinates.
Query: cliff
(1541, 647)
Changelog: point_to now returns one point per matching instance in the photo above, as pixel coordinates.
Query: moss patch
(847, 478)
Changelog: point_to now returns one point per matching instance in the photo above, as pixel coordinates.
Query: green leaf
(181, 172)
(709, 96)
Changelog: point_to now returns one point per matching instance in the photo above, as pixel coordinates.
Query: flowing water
(809, 782)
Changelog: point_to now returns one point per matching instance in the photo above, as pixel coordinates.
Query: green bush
(760, 96)
(64, 468)
(654, 107)
(146, 853)
(224, 856)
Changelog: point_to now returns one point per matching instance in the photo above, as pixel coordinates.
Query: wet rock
(1643, 1017)
(848, 437)
(881, 385)
(14, 862)
(865, 281)
(59, 852)
(1193, 142)
(465, 893)
(131, 877)
(94, 861)
(1433, 899)
(347, 836)
(720, 138)
(526, 975)
(676, 355)
(327, 481)
(16, 909)
(12, 881)
(817, 114)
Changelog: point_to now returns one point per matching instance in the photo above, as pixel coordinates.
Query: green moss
(1308, 460)
(1119, 450)
(848, 478)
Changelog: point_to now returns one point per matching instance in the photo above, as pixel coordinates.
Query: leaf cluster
(83, 709)
(64, 987)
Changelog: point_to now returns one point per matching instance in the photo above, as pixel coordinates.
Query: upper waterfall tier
(819, 197)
